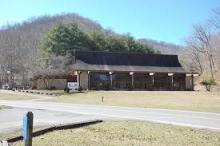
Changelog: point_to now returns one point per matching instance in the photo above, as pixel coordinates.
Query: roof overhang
(81, 66)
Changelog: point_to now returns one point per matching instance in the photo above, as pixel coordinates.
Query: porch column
(110, 73)
(132, 79)
(78, 77)
(171, 76)
(152, 77)
(76, 73)
(88, 80)
(192, 82)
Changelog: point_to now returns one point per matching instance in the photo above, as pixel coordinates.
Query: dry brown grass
(9, 95)
(184, 100)
(128, 133)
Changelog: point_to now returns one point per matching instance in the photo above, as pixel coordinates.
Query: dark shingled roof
(139, 62)
(138, 59)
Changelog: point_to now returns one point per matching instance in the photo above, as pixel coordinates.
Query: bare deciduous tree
(52, 67)
(216, 19)
(201, 43)
(197, 63)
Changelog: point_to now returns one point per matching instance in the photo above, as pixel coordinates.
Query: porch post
(152, 77)
(110, 73)
(171, 75)
(192, 82)
(132, 79)
(88, 80)
(78, 72)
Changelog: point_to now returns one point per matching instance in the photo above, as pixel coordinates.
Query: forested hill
(28, 34)
(163, 47)
(19, 43)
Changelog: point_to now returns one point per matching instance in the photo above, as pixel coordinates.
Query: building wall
(84, 80)
(57, 83)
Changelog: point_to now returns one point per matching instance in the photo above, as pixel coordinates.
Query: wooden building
(130, 71)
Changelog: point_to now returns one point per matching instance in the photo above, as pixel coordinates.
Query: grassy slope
(126, 133)
(196, 101)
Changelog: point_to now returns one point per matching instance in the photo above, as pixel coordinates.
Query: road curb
(54, 128)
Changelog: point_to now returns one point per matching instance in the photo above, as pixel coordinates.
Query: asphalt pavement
(205, 120)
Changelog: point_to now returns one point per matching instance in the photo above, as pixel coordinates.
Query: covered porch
(146, 81)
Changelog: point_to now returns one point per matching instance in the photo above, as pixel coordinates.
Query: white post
(152, 75)
(171, 75)
(88, 80)
(111, 84)
(132, 79)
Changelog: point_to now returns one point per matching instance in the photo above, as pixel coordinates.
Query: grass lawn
(5, 95)
(184, 100)
(4, 136)
(128, 133)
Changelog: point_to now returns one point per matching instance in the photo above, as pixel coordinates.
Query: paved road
(176, 117)
(11, 119)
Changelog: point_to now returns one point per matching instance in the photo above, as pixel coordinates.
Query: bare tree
(48, 68)
(196, 62)
(201, 43)
(216, 19)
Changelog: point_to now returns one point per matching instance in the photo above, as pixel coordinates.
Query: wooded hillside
(20, 44)
(23, 46)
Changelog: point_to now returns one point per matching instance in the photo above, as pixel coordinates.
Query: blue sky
(162, 20)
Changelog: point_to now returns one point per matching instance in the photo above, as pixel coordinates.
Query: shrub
(80, 89)
(66, 89)
(34, 87)
(208, 83)
(52, 88)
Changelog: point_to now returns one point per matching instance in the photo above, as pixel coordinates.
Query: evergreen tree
(65, 39)
(62, 40)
